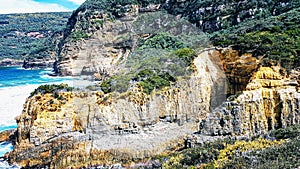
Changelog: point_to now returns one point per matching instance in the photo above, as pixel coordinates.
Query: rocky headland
(10, 62)
(148, 104)
(81, 129)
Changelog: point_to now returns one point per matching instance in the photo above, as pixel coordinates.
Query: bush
(106, 86)
(53, 88)
(150, 80)
(78, 35)
(162, 41)
(289, 132)
(258, 153)
(187, 54)
(116, 84)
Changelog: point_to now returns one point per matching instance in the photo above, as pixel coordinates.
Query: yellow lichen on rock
(243, 146)
(267, 73)
(266, 77)
(173, 162)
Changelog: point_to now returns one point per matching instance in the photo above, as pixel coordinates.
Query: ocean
(16, 84)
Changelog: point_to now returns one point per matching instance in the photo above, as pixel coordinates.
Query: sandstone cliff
(270, 101)
(108, 128)
(101, 33)
(90, 128)
(77, 129)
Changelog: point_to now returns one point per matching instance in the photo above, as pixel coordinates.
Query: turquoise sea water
(16, 84)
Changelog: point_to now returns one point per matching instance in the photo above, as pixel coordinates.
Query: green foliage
(229, 12)
(289, 132)
(163, 41)
(203, 154)
(15, 41)
(276, 38)
(78, 35)
(258, 153)
(106, 86)
(115, 7)
(54, 89)
(153, 81)
(277, 157)
(99, 22)
(116, 84)
(187, 54)
(148, 79)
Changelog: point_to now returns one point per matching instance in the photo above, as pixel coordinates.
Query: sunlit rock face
(93, 128)
(270, 101)
(83, 129)
(128, 126)
(93, 36)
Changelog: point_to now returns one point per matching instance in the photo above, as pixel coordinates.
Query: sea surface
(16, 84)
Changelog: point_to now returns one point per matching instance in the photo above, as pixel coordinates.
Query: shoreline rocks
(10, 62)
(37, 63)
(7, 135)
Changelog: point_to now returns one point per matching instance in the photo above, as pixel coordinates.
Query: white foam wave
(13, 98)
(20, 68)
(12, 101)
(5, 147)
(5, 165)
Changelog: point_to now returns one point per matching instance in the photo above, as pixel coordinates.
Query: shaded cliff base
(277, 149)
(63, 129)
(10, 62)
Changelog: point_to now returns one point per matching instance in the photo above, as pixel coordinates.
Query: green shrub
(162, 41)
(257, 153)
(289, 132)
(106, 86)
(53, 88)
(78, 35)
(156, 82)
(116, 84)
(187, 54)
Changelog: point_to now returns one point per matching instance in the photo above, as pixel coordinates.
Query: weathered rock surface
(270, 101)
(10, 62)
(99, 54)
(113, 127)
(34, 63)
(238, 68)
(82, 129)
(6, 135)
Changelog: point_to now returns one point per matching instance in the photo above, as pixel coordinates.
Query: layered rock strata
(108, 128)
(79, 129)
(270, 101)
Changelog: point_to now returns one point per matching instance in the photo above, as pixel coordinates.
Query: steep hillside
(83, 128)
(31, 37)
(274, 38)
(177, 84)
(209, 16)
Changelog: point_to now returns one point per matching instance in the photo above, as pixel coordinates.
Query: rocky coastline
(226, 99)
(10, 62)
(27, 63)
(37, 63)
(84, 129)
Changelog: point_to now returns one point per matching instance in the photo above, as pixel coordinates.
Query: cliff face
(100, 33)
(101, 52)
(125, 126)
(85, 128)
(269, 102)
(92, 128)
